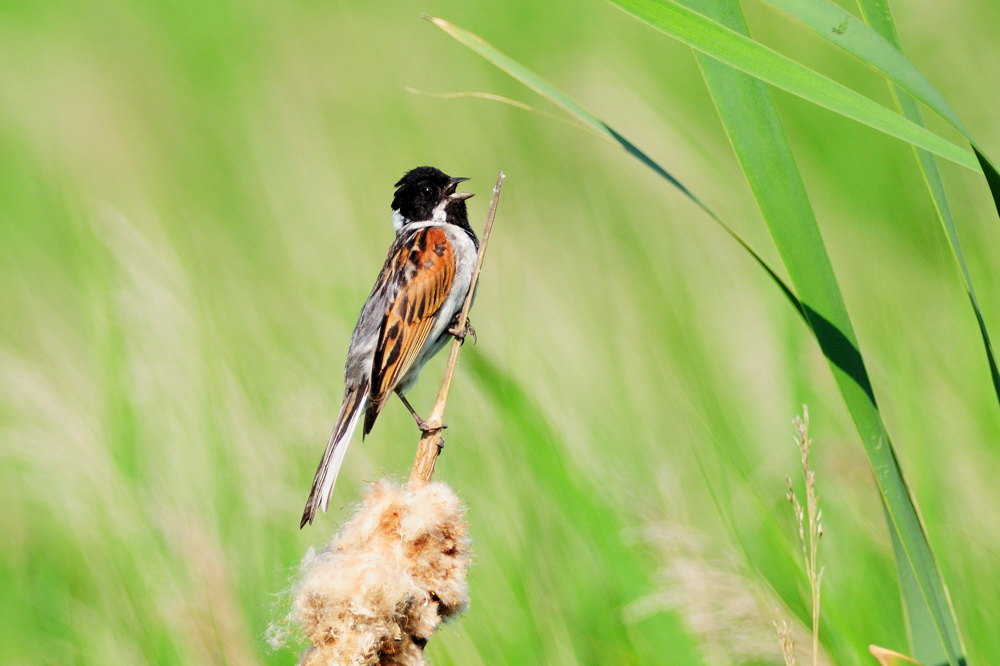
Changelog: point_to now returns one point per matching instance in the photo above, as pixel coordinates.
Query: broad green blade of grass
(556, 96)
(935, 185)
(877, 13)
(992, 175)
(742, 53)
(751, 120)
(879, 47)
(920, 628)
(879, 51)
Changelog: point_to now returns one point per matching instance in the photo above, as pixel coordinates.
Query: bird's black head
(425, 193)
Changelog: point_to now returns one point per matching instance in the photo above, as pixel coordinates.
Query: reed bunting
(410, 314)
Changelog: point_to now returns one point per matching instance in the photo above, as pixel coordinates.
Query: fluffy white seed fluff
(392, 575)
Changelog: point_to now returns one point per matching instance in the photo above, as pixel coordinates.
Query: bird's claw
(425, 427)
(460, 335)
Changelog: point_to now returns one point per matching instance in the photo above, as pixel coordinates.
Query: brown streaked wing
(424, 268)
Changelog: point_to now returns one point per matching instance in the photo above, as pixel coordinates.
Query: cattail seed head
(392, 575)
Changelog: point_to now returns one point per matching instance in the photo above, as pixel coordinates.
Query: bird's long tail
(326, 475)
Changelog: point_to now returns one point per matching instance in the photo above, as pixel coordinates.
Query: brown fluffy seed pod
(387, 580)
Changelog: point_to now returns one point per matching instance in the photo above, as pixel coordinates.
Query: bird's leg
(461, 335)
(420, 422)
(424, 427)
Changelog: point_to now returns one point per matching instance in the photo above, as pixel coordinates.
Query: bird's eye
(426, 190)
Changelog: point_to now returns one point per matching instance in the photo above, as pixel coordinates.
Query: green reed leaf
(751, 121)
(742, 53)
(879, 47)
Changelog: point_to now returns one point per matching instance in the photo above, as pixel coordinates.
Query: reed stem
(431, 441)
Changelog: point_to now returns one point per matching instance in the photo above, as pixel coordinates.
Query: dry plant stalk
(811, 517)
(431, 442)
(397, 569)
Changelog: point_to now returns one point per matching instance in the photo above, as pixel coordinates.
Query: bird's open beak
(457, 196)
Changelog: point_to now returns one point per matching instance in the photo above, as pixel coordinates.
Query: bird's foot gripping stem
(424, 426)
(460, 335)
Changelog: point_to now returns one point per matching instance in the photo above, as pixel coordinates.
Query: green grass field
(194, 203)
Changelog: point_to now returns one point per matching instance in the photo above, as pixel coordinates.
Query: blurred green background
(194, 203)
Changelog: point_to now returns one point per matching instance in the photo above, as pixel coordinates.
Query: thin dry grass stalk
(397, 569)
(811, 517)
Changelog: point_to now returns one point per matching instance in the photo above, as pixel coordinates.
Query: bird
(410, 315)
